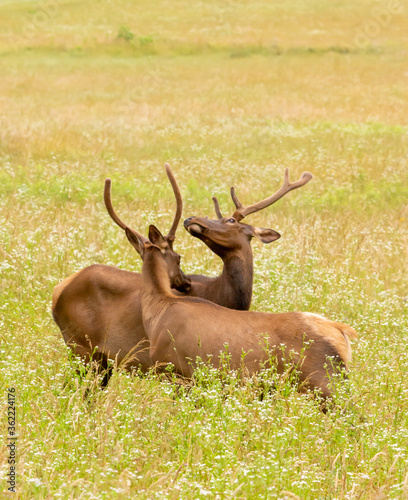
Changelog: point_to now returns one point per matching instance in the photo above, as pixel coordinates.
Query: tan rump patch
(336, 333)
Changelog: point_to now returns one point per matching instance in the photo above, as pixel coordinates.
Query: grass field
(230, 92)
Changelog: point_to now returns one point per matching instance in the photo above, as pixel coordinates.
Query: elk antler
(113, 214)
(217, 207)
(287, 186)
(172, 233)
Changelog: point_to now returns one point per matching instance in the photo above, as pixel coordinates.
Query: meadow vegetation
(229, 93)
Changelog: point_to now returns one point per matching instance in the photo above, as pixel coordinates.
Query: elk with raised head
(182, 329)
(230, 239)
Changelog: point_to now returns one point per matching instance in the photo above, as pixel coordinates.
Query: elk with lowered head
(98, 309)
(180, 329)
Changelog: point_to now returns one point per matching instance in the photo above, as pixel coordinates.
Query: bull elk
(180, 329)
(98, 309)
(230, 239)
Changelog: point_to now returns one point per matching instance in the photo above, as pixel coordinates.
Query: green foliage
(125, 34)
(145, 40)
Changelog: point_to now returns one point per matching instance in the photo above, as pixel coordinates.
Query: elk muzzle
(193, 226)
(181, 282)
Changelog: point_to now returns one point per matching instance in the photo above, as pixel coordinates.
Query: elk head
(229, 233)
(178, 279)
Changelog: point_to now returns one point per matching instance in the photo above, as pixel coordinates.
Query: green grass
(230, 93)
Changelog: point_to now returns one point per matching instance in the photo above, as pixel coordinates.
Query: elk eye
(231, 220)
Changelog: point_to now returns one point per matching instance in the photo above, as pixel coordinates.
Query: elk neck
(237, 277)
(155, 276)
(156, 289)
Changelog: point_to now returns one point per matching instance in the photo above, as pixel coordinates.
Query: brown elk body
(100, 306)
(180, 329)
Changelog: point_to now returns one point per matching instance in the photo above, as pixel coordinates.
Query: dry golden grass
(206, 24)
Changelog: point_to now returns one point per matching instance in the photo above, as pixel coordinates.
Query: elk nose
(187, 221)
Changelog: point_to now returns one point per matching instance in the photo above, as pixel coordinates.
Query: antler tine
(217, 207)
(113, 214)
(172, 233)
(287, 186)
(234, 197)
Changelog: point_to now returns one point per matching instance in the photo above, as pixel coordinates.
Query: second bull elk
(180, 329)
(230, 239)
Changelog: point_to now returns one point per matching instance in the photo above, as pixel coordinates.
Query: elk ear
(135, 241)
(265, 235)
(156, 237)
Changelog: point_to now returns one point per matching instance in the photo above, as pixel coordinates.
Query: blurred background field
(229, 93)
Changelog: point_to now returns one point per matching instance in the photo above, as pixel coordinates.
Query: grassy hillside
(230, 93)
